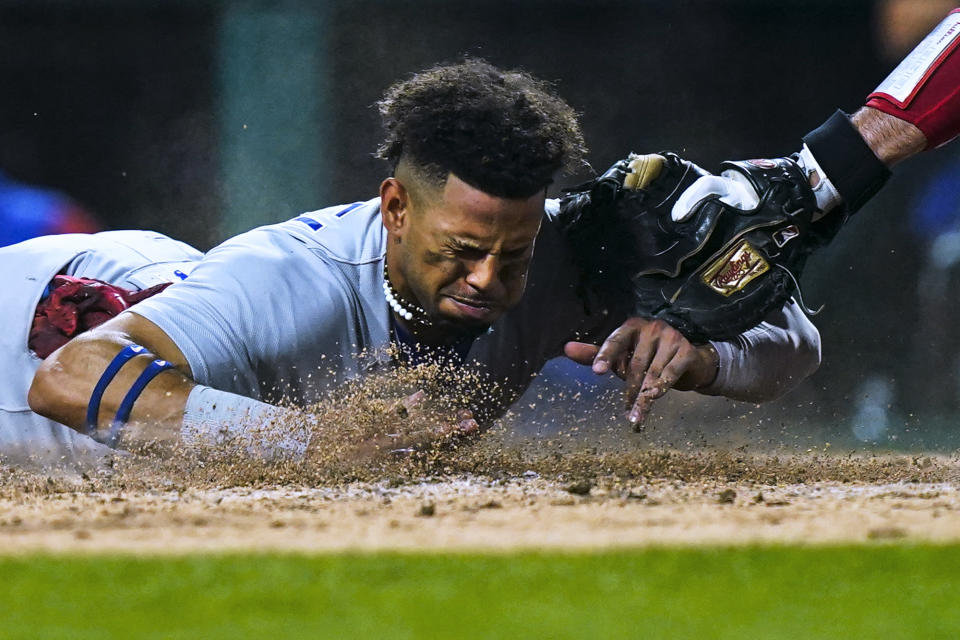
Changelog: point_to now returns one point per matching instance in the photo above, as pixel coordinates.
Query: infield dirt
(618, 500)
(495, 493)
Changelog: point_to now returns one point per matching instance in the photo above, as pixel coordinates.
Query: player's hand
(412, 429)
(652, 357)
(448, 433)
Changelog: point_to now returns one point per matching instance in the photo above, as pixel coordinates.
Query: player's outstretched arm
(65, 387)
(106, 383)
(127, 383)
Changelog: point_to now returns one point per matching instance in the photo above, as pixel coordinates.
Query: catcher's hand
(658, 236)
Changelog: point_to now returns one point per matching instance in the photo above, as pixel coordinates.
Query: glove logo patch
(735, 269)
(785, 235)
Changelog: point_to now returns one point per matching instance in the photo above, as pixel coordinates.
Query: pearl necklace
(400, 308)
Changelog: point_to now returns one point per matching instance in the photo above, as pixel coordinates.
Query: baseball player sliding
(460, 256)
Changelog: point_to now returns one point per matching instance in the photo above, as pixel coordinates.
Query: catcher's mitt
(658, 236)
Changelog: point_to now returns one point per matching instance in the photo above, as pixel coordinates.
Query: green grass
(770, 592)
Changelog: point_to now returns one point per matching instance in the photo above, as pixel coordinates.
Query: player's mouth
(480, 310)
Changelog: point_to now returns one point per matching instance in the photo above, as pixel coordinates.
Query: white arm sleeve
(765, 362)
(214, 419)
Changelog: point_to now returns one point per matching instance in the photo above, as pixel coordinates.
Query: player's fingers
(465, 425)
(644, 354)
(653, 378)
(657, 382)
(615, 348)
(671, 373)
(468, 427)
(411, 404)
(418, 442)
(641, 409)
(446, 434)
(581, 352)
(415, 399)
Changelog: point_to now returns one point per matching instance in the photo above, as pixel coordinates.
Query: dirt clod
(727, 496)
(580, 488)
(886, 533)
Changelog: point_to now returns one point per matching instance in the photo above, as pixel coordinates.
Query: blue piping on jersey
(347, 210)
(317, 225)
(310, 222)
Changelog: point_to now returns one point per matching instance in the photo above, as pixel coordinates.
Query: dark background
(122, 106)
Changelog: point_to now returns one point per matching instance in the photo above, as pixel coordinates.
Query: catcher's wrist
(846, 157)
(823, 189)
(709, 369)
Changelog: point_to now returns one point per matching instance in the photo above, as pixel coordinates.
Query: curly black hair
(503, 132)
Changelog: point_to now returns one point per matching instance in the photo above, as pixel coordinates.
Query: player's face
(464, 254)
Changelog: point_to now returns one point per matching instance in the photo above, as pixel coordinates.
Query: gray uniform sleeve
(253, 310)
(768, 360)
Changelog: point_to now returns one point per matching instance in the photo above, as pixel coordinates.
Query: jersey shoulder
(350, 234)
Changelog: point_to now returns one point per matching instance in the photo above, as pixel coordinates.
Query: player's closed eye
(517, 255)
(470, 253)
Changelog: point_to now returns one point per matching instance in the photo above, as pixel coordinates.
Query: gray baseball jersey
(291, 309)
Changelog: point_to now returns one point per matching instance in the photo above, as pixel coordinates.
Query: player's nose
(482, 274)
